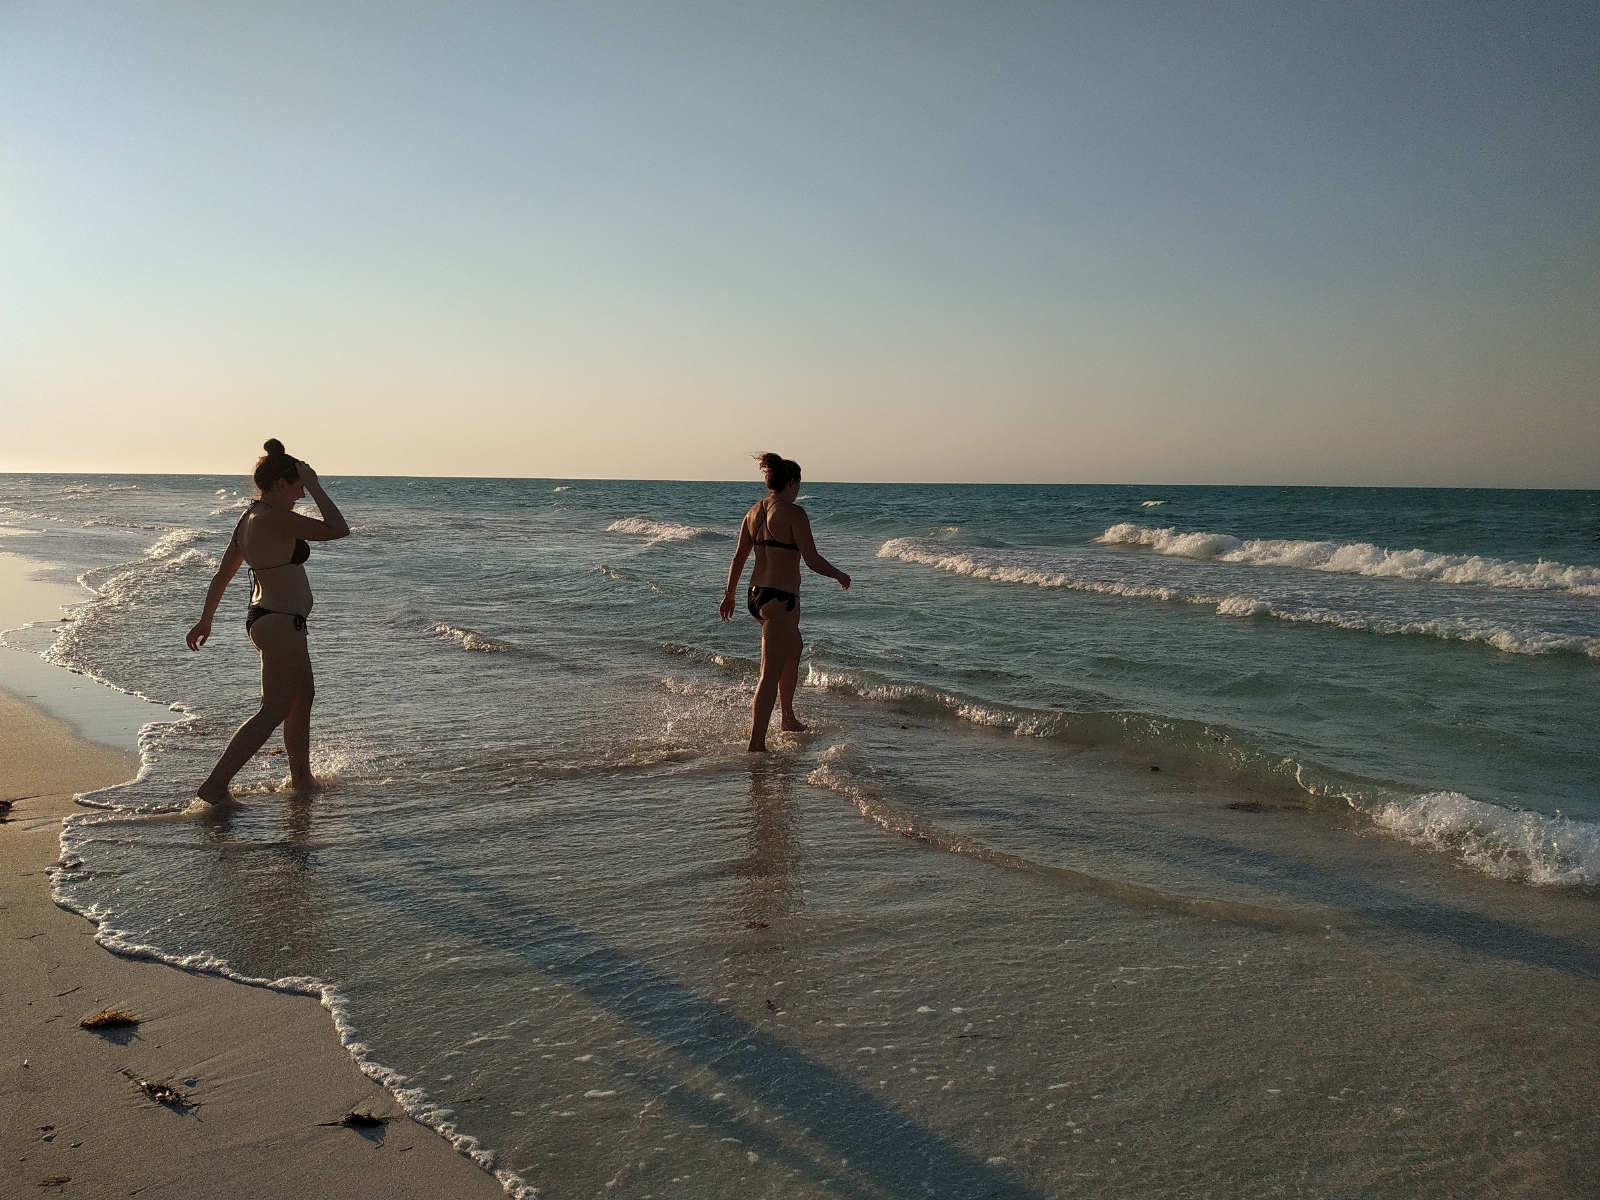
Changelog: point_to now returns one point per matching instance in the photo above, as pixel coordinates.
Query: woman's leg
(786, 685)
(297, 734)
(780, 642)
(285, 667)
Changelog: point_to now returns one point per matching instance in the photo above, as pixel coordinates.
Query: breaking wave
(665, 531)
(171, 543)
(1501, 842)
(1007, 569)
(1359, 558)
(471, 639)
(1505, 843)
(1000, 570)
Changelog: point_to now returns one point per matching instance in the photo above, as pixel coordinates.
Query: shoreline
(265, 1070)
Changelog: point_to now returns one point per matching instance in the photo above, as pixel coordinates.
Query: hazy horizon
(754, 480)
(1306, 244)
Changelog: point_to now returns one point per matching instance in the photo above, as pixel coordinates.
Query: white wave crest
(967, 563)
(124, 583)
(1501, 842)
(1460, 629)
(1360, 558)
(1506, 843)
(171, 543)
(664, 531)
(471, 639)
(1243, 606)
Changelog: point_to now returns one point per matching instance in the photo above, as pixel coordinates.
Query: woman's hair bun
(274, 465)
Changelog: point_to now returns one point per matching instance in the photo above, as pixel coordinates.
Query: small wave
(170, 543)
(1359, 558)
(1151, 503)
(839, 774)
(566, 487)
(1454, 629)
(1460, 629)
(655, 532)
(1501, 842)
(113, 523)
(1505, 843)
(471, 639)
(123, 583)
(962, 563)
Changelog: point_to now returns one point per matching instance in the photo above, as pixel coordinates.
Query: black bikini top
(770, 541)
(302, 549)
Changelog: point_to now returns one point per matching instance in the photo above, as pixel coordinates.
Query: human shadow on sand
(896, 1154)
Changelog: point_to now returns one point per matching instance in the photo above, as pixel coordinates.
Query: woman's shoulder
(266, 520)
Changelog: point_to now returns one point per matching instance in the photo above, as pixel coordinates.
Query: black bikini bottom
(256, 612)
(759, 597)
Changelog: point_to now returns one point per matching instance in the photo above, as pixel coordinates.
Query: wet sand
(262, 1070)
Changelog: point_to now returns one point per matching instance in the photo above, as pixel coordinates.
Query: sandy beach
(266, 1078)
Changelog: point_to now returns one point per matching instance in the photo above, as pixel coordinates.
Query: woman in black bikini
(273, 540)
(780, 533)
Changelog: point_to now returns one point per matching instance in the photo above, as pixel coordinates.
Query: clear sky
(1345, 243)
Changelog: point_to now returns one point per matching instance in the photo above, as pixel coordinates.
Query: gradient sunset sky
(1342, 243)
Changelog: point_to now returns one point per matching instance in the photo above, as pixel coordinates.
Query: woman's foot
(793, 724)
(213, 793)
(756, 747)
(306, 786)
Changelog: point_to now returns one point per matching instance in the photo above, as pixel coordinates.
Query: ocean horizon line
(613, 479)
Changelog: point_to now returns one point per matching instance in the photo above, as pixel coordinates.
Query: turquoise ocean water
(1147, 840)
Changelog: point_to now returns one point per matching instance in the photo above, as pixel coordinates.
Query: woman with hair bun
(273, 541)
(780, 533)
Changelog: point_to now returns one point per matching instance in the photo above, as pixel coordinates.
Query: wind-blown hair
(780, 471)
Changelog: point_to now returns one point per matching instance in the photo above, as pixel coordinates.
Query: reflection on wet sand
(771, 869)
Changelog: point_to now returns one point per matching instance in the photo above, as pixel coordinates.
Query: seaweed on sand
(111, 1018)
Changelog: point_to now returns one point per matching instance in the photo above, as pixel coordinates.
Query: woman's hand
(307, 475)
(729, 604)
(200, 633)
(844, 581)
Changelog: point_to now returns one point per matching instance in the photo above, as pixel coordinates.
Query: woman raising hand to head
(274, 542)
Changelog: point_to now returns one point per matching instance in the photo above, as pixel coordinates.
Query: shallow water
(1243, 842)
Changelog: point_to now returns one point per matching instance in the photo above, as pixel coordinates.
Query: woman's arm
(801, 527)
(226, 570)
(291, 524)
(747, 542)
